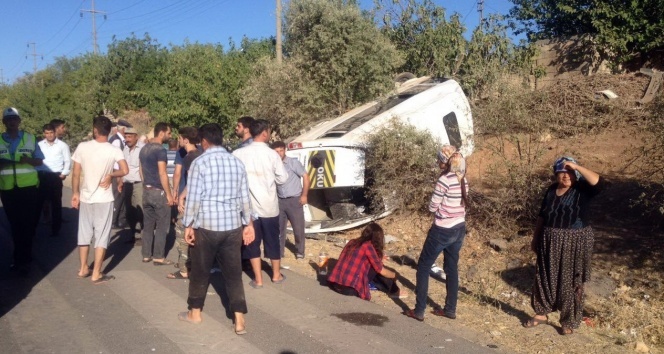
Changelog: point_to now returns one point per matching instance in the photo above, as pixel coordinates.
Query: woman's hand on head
(569, 165)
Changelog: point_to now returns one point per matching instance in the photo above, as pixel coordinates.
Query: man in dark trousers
(157, 197)
(19, 155)
(56, 167)
(218, 181)
(117, 139)
(188, 140)
(132, 190)
(292, 197)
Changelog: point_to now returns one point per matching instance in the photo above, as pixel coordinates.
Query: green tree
(339, 50)
(200, 83)
(491, 54)
(130, 72)
(432, 44)
(335, 59)
(283, 95)
(622, 29)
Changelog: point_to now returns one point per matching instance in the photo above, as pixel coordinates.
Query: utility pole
(480, 9)
(95, 48)
(279, 54)
(2, 78)
(34, 57)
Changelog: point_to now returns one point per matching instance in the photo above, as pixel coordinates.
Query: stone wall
(561, 58)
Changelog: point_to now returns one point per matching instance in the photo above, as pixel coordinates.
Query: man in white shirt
(56, 167)
(94, 160)
(132, 190)
(117, 139)
(264, 171)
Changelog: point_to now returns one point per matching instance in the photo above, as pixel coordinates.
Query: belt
(295, 196)
(149, 187)
(130, 182)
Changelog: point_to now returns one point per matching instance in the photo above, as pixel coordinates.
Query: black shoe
(23, 270)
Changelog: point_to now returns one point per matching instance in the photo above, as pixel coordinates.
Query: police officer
(19, 154)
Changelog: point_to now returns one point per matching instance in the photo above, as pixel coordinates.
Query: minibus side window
(452, 128)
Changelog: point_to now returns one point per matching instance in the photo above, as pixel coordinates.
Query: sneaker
(215, 270)
(372, 286)
(438, 272)
(284, 266)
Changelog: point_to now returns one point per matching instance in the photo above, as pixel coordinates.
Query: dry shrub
(281, 94)
(649, 162)
(564, 109)
(630, 315)
(515, 139)
(401, 167)
(515, 124)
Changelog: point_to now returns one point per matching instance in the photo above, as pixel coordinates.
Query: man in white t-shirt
(93, 195)
(264, 171)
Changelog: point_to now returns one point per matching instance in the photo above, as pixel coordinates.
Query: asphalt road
(52, 311)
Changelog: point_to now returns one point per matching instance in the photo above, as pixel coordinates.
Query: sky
(64, 27)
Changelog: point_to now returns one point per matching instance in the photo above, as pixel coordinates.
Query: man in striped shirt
(218, 222)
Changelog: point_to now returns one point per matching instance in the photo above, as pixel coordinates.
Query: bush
(401, 167)
(650, 162)
(516, 139)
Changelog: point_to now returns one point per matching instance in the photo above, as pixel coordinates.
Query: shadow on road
(48, 252)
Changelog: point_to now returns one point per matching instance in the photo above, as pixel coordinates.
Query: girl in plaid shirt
(361, 261)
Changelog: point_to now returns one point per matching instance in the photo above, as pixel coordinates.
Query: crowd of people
(225, 206)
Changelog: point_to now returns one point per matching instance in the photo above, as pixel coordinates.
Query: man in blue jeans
(448, 203)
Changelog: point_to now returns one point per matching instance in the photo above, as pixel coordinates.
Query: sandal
(283, 278)
(441, 312)
(164, 262)
(254, 285)
(103, 279)
(534, 322)
(411, 314)
(184, 316)
(147, 260)
(565, 331)
(176, 275)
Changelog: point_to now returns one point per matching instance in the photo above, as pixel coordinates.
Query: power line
(65, 38)
(34, 57)
(81, 44)
(171, 17)
(127, 8)
(65, 25)
(149, 13)
(469, 11)
(95, 48)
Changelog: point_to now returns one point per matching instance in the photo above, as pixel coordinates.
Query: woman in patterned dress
(563, 242)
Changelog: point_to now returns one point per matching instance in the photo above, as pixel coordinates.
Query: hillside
(625, 299)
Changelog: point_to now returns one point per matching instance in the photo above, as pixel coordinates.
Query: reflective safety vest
(18, 174)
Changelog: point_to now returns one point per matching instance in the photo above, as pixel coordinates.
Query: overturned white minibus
(332, 151)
